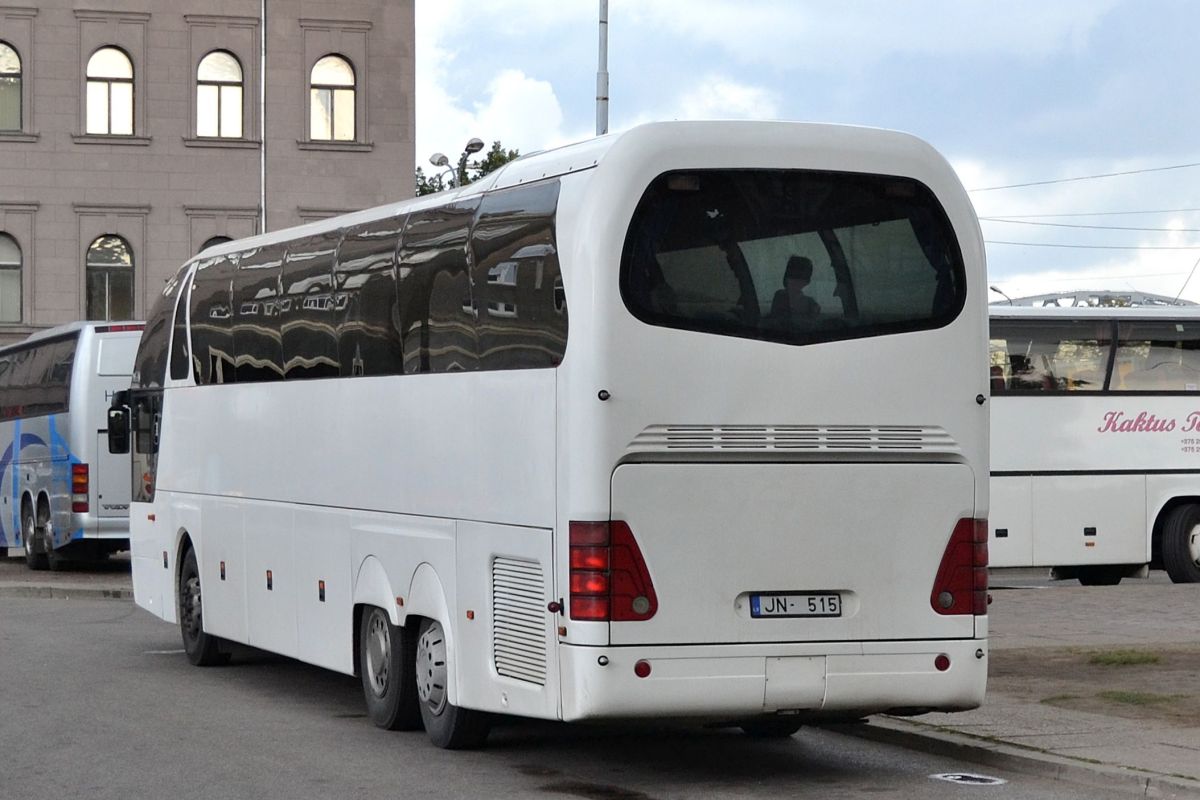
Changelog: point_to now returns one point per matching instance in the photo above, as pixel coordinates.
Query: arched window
(109, 279)
(109, 93)
(10, 89)
(10, 279)
(219, 96)
(331, 100)
(214, 241)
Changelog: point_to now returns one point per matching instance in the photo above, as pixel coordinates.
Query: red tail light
(79, 488)
(961, 583)
(609, 578)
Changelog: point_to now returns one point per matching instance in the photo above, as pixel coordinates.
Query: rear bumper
(825, 679)
(89, 526)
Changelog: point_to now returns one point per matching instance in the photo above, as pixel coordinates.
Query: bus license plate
(810, 604)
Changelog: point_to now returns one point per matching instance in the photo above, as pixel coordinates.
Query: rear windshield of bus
(791, 256)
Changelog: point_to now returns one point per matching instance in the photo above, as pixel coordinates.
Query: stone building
(135, 132)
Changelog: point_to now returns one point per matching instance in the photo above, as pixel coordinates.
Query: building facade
(135, 132)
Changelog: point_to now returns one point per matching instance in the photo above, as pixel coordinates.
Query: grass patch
(1059, 698)
(1123, 658)
(1137, 698)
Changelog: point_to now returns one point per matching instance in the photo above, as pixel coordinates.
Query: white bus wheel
(1181, 544)
(448, 725)
(771, 727)
(202, 649)
(386, 657)
(35, 550)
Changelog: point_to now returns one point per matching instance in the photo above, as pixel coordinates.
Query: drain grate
(968, 778)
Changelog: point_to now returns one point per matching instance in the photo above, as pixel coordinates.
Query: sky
(1015, 92)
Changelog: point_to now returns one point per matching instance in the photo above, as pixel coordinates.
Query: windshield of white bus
(791, 256)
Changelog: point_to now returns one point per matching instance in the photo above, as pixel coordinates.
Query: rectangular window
(791, 256)
(231, 112)
(307, 319)
(207, 99)
(212, 321)
(97, 107)
(1049, 355)
(1157, 356)
(10, 295)
(122, 109)
(343, 115)
(365, 299)
(257, 307)
(10, 103)
(320, 124)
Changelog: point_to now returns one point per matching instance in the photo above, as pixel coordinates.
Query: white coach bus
(63, 496)
(1096, 441)
(745, 483)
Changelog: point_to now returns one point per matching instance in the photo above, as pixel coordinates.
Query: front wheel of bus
(448, 725)
(202, 648)
(386, 658)
(1181, 544)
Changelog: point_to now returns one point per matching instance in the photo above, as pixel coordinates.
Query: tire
(31, 540)
(1100, 576)
(387, 666)
(1181, 544)
(771, 727)
(202, 649)
(447, 725)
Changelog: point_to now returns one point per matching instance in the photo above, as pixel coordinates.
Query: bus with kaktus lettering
(688, 421)
(1096, 441)
(63, 496)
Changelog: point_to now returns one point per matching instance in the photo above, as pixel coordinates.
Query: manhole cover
(968, 778)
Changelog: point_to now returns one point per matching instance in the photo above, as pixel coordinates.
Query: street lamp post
(460, 174)
(1002, 294)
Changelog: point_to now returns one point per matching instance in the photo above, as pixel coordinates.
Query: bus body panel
(1109, 462)
(714, 535)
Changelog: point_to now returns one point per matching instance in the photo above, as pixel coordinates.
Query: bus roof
(72, 327)
(1107, 312)
(657, 137)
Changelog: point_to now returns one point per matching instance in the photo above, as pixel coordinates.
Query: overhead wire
(1142, 171)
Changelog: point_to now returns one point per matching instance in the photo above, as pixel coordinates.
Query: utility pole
(602, 74)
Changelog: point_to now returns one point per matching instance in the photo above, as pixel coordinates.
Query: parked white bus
(746, 483)
(62, 495)
(1096, 441)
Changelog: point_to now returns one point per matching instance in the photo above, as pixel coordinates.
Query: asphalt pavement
(1094, 685)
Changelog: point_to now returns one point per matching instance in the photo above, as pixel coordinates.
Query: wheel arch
(183, 543)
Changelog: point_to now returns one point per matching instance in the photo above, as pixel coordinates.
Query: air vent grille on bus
(795, 439)
(519, 619)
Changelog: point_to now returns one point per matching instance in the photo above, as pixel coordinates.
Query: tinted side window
(256, 315)
(1049, 355)
(437, 319)
(150, 366)
(211, 307)
(1155, 356)
(306, 311)
(521, 306)
(181, 357)
(791, 256)
(365, 299)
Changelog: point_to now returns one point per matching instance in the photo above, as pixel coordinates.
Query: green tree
(490, 161)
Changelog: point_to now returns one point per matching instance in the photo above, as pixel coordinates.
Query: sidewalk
(1095, 685)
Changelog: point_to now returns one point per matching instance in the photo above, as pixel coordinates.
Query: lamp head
(474, 146)
(439, 160)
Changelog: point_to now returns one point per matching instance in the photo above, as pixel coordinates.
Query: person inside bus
(791, 304)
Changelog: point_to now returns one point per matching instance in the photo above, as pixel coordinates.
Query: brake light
(121, 328)
(608, 576)
(961, 583)
(79, 488)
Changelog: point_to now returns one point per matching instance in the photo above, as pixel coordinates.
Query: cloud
(717, 97)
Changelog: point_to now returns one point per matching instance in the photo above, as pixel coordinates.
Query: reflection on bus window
(1049, 356)
(1157, 356)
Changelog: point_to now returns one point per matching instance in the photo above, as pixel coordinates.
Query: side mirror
(118, 424)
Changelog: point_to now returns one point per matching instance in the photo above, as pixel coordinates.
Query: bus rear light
(942, 662)
(961, 583)
(608, 575)
(79, 488)
(642, 668)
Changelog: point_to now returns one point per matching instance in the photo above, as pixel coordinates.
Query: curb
(65, 592)
(1026, 760)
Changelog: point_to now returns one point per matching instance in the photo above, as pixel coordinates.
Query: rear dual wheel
(31, 540)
